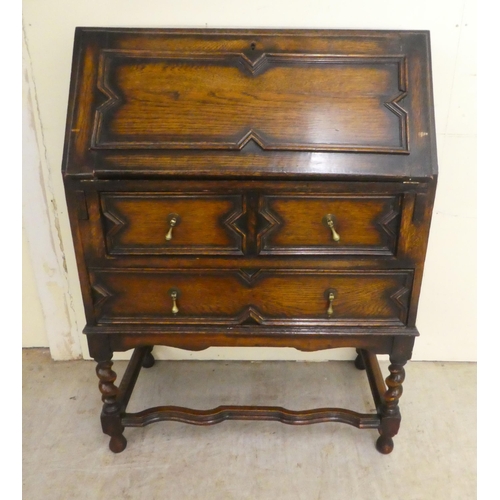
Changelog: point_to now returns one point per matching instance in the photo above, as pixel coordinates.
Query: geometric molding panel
(236, 223)
(256, 129)
(100, 295)
(117, 223)
(271, 222)
(250, 276)
(389, 221)
(250, 316)
(401, 298)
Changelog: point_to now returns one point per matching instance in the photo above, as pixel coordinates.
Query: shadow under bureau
(250, 188)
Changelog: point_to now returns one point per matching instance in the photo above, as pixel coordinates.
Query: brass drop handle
(329, 221)
(335, 235)
(174, 295)
(173, 220)
(331, 296)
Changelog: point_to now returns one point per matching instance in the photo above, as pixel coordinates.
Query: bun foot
(148, 361)
(359, 363)
(117, 443)
(385, 445)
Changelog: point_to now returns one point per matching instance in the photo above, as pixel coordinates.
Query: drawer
(163, 224)
(239, 297)
(330, 224)
(197, 223)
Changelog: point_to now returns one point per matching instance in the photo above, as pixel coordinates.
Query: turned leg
(391, 417)
(359, 362)
(148, 360)
(110, 415)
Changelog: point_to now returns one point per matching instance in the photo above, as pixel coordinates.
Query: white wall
(447, 316)
(34, 334)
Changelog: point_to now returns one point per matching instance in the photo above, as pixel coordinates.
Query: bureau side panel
(80, 221)
(415, 227)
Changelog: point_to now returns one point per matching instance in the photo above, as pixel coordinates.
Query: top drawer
(330, 224)
(182, 224)
(250, 223)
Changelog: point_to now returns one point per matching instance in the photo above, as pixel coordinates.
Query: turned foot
(148, 360)
(117, 443)
(384, 444)
(359, 362)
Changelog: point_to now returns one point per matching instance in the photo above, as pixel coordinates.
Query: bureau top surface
(243, 103)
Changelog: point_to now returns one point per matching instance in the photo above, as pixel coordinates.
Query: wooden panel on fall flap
(223, 100)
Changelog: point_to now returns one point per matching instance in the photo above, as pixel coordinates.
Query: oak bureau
(250, 188)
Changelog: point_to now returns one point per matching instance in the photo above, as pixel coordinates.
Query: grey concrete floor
(66, 456)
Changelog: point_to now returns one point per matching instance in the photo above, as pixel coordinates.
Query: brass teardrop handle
(330, 307)
(329, 221)
(174, 295)
(330, 295)
(173, 220)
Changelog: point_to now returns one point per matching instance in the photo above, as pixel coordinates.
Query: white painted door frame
(41, 225)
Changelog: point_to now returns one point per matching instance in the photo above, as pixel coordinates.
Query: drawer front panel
(329, 224)
(162, 224)
(267, 297)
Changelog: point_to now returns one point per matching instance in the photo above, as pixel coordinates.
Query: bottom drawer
(239, 297)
